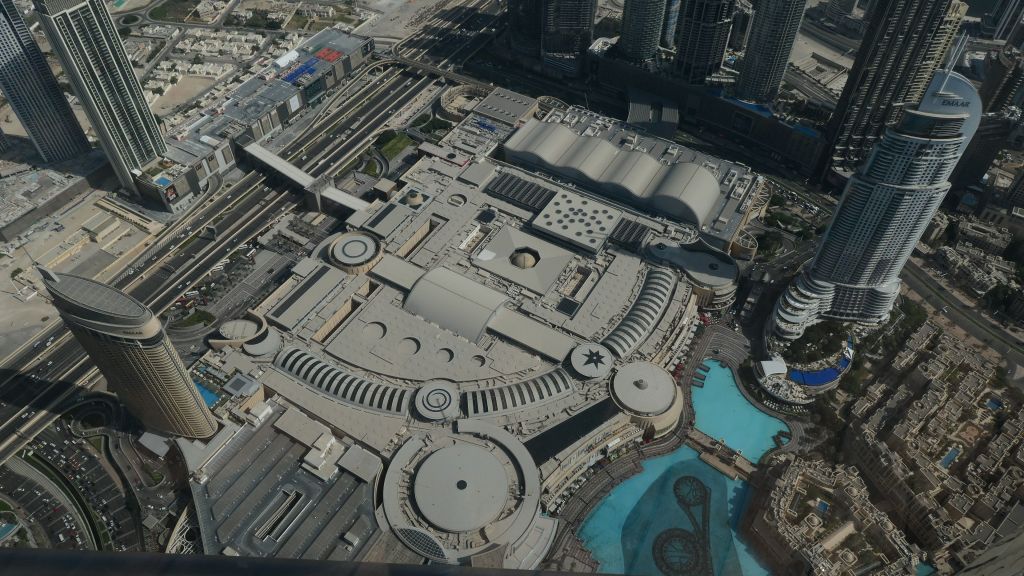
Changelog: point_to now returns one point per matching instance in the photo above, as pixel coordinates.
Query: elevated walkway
(317, 190)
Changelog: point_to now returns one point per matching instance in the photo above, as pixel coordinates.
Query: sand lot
(186, 88)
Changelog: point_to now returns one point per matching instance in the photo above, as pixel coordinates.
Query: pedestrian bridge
(318, 190)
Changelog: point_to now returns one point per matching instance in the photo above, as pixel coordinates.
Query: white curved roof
(460, 488)
(454, 302)
(644, 388)
(685, 191)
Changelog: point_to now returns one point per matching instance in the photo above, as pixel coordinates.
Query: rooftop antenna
(955, 54)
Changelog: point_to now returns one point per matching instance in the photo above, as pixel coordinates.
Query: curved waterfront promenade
(567, 551)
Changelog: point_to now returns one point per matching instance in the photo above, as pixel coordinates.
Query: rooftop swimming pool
(679, 515)
(209, 396)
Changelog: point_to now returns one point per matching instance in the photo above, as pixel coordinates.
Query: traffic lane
(356, 115)
(157, 279)
(921, 283)
(19, 384)
(342, 118)
(355, 141)
(200, 267)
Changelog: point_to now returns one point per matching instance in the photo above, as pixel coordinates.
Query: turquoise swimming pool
(679, 515)
(209, 396)
(6, 529)
(723, 412)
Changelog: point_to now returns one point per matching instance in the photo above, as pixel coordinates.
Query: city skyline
(538, 285)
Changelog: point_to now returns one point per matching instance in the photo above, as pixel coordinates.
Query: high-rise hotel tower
(37, 100)
(91, 52)
(885, 209)
(129, 346)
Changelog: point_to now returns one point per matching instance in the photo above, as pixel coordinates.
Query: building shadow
(58, 396)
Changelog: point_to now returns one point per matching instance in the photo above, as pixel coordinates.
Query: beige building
(128, 344)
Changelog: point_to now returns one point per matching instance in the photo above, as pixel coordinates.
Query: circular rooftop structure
(355, 252)
(591, 360)
(437, 401)
(524, 258)
(461, 488)
(240, 329)
(644, 389)
(458, 491)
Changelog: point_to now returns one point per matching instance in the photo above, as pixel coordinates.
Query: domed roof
(524, 258)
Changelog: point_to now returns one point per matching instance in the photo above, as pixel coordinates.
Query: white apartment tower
(37, 100)
(772, 35)
(885, 209)
(92, 55)
(641, 29)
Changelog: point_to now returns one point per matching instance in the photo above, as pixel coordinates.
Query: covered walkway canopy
(302, 178)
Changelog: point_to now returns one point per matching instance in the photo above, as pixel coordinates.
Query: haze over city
(646, 287)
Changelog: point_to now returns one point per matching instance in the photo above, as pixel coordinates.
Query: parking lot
(52, 525)
(101, 492)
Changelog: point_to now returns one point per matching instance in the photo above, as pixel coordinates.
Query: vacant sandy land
(186, 88)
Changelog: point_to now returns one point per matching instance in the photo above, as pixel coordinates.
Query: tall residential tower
(885, 209)
(127, 343)
(92, 55)
(567, 29)
(641, 29)
(702, 34)
(772, 36)
(37, 100)
(906, 41)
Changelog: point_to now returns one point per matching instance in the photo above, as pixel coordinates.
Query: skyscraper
(566, 33)
(701, 38)
(127, 343)
(884, 211)
(671, 21)
(35, 97)
(641, 29)
(1004, 79)
(772, 35)
(836, 9)
(524, 26)
(92, 55)
(1000, 21)
(906, 41)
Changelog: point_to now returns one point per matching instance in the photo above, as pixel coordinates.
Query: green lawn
(173, 10)
(395, 145)
(297, 22)
(97, 442)
(4, 506)
(196, 317)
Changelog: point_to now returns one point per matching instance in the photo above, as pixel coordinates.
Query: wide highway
(50, 371)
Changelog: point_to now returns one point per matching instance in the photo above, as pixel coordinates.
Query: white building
(885, 210)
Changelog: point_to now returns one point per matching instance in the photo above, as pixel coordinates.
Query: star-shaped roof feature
(591, 360)
(594, 357)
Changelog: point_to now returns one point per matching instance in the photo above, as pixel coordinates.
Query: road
(967, 318)
(41, 378)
